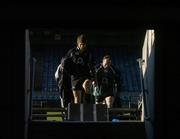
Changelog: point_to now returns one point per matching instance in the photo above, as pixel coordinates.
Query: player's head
(81, 42)
(106, 62)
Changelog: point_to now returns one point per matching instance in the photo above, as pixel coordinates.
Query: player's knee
(87, 83)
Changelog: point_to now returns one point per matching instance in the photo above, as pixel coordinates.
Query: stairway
(86, 130)
(49, 129)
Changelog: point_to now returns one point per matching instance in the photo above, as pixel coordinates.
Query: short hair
(106, 57)
(81, 38)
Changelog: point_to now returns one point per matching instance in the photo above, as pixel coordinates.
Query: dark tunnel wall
(96, 37)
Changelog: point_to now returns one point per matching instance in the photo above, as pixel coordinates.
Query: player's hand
(94, 83)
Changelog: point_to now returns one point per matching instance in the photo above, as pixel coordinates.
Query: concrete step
(86, 130)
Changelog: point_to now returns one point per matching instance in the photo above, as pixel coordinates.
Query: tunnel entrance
(132, 53)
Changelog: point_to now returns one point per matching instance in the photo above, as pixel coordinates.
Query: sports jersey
(78, 65)
(106, 79)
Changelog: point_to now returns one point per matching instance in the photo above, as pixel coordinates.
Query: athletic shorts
(104, 95)
(77, 84)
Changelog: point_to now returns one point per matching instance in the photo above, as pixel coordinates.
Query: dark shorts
(102, 98)
(104, 94)
(77, 84)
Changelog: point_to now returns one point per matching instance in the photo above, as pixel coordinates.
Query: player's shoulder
(114, 67)
(100, 68)
(71, 51)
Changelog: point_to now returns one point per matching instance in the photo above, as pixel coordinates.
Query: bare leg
(86, 85)
(109, 101)
(77, 96)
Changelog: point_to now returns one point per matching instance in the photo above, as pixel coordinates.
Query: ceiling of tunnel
(95, 37)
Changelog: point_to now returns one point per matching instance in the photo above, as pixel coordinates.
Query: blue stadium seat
(123, 58)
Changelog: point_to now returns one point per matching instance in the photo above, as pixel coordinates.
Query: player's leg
(77, 96)
(88, 92)
(86, 86)
(109, 101)
(77, 90)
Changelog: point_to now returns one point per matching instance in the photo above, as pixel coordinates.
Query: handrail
(33, 62)
(143, 91)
